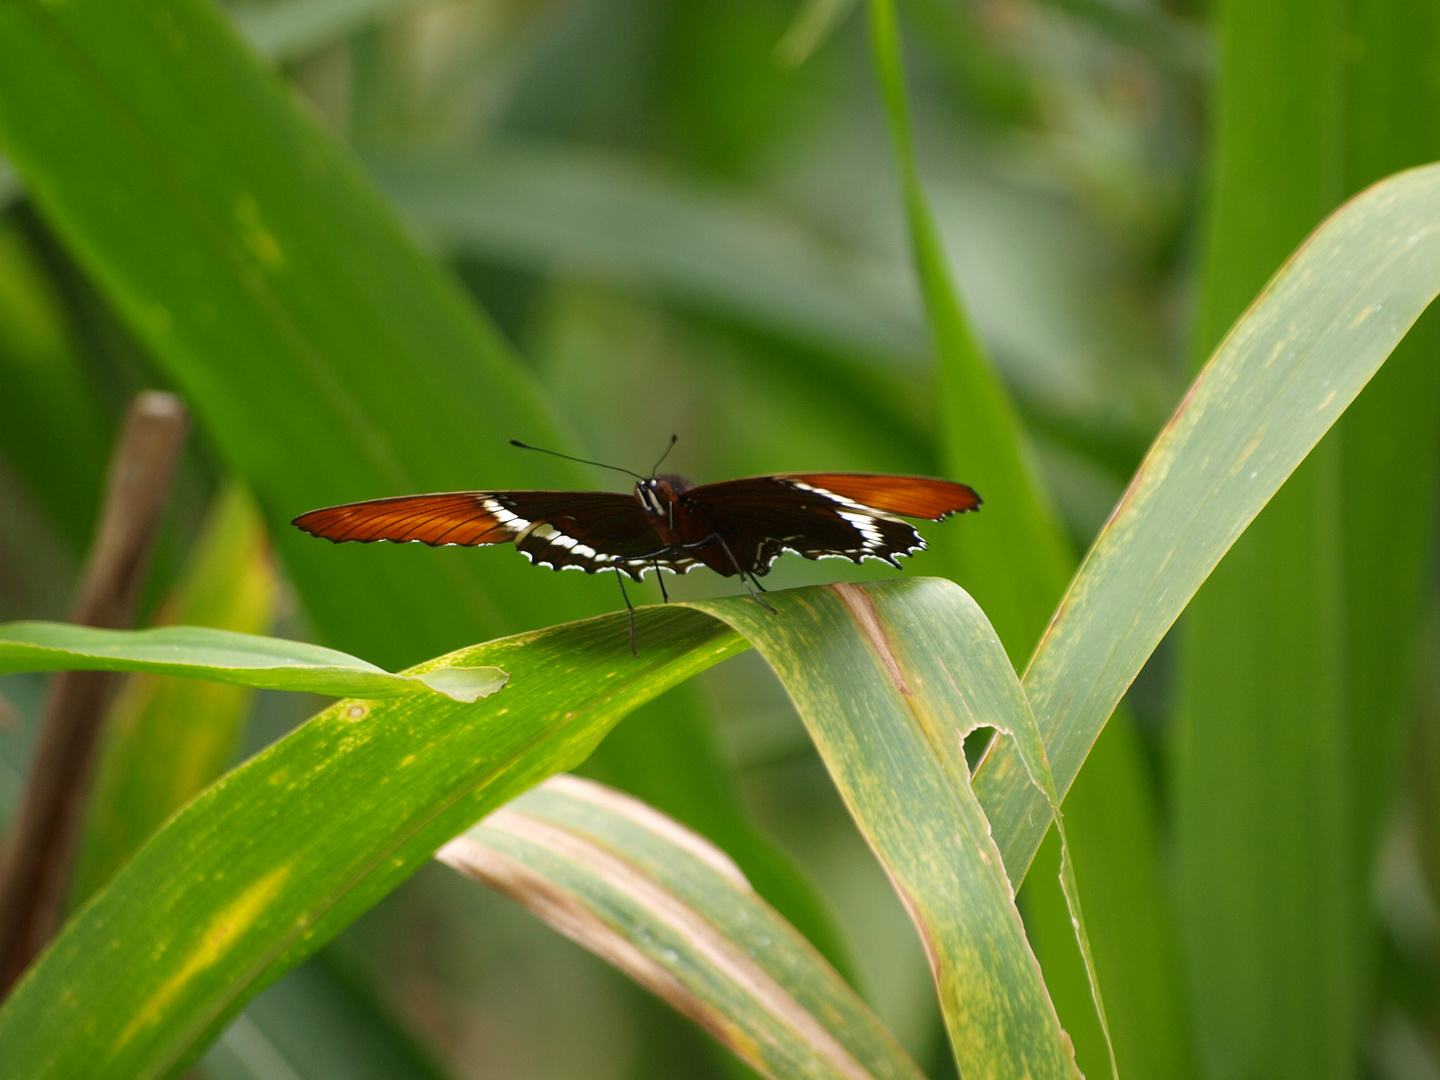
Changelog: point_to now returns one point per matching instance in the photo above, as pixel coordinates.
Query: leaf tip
(467, 684)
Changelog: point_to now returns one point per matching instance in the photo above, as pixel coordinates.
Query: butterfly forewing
(584, 530)
(464, 517)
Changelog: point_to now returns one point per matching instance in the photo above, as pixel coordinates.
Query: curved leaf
(675, 914)
(1282, 376)
(228, 657)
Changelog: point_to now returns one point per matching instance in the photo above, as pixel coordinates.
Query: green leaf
(225, 656)
(1295, 662)
(285, 851)
(910, 668)
(1283, 375)
(319, 826)
(1017, 558)
(325, 356)
(547, 206)
(167, 738)
(677, 916)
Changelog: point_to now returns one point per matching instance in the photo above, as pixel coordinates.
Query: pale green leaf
(225, 656)
(554, 208)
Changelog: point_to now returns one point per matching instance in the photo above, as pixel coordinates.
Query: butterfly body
(733, 527)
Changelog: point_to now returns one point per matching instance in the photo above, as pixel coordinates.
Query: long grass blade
(1017, 559)
(1281, 377)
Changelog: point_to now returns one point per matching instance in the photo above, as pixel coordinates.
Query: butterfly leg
(620, 580)
(716, 538)
(661, 579)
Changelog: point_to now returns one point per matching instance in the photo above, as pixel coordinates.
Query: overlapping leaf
(1282, 376)
(280, 854)
(284, 852)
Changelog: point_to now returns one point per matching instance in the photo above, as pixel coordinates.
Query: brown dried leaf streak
(604, 902)
(704, 880)
(991, 696)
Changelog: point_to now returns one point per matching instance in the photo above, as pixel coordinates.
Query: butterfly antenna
(673, 440)
(567, 457)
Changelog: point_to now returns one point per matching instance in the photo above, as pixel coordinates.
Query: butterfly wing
(822, 515)
(906, 496)
(585, 530)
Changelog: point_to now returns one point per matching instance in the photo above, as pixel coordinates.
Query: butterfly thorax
(660, 498)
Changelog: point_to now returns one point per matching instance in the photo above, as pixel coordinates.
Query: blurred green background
(683, 216)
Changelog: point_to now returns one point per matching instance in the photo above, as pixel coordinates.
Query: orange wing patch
(907, 496)
(465, 518)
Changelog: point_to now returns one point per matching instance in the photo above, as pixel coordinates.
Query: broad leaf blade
(1279, 380)
(329, 359)
(282, 853)
(325, 356)
(676, 915)
(549, 206)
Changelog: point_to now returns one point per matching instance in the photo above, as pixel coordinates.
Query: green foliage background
(617, 219)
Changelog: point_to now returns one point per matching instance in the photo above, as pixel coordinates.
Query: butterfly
(735, 527)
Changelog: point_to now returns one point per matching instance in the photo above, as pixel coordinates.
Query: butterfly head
(659, 494)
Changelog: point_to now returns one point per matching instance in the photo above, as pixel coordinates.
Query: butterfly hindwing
(823, 515)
